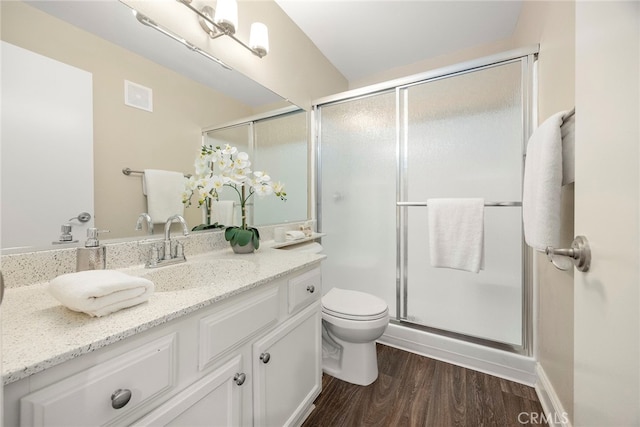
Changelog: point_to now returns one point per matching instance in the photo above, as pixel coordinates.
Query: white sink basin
(198, 273)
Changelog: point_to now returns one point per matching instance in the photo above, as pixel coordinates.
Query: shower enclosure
(383, 151)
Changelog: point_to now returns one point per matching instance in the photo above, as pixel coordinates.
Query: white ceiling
(362, 38)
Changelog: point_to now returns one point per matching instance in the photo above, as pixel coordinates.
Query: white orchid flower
(203, 195)
(254, 182)
(262, 176)
(224, 163)
(186, 196)
(263, 190)
(202, 166)
(241, 161)
(225, 166)
(191, 183)
(229, 150)
(278, 187)
(217, 182)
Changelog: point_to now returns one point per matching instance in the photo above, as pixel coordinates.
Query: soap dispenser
(94, 255)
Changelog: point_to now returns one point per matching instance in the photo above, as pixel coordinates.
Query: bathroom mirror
(277, 146)
(186, 92)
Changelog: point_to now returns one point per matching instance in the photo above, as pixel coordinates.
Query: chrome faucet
(168, 253)
(146, 217)
(167, 236)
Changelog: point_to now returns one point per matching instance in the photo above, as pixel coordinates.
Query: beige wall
(552, 25)
(167, 138)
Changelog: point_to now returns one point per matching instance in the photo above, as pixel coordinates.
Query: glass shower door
(357, 177)
(462, 136)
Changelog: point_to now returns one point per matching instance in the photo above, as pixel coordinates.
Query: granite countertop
(38, 332)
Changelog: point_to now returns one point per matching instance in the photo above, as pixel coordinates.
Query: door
(462, 136)
(287, 370)
(606, 298)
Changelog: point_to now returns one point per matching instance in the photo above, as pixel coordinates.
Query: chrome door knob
(311, 289)
(265, 357)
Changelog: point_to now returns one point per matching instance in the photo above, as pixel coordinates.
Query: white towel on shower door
(456, 233)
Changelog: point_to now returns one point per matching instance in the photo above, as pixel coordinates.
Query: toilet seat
(353, 305)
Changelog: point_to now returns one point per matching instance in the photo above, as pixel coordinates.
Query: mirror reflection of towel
(222, 212)
(164, 191)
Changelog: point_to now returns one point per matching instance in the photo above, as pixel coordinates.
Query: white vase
(246, 249)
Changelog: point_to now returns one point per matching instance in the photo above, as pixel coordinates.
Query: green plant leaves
(207, 227)
(239, 236)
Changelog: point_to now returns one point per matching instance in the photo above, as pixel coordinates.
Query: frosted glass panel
(358, 195)
(464, 139)
(485, 305)
(465, 136)
(281, 151)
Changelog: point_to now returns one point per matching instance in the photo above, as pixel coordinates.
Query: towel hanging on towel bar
(456, 233)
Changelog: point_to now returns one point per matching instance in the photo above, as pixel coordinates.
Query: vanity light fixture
(145, 20)
(223, 21)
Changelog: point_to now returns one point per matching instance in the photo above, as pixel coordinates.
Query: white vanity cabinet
(201, 369)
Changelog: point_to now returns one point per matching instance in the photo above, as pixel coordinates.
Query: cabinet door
(287, 370)
(214, 400)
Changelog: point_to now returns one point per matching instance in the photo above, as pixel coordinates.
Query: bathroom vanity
(225, 340)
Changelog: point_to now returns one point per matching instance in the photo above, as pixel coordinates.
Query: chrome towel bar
(579, 253)
(490, 204)
(129, 171)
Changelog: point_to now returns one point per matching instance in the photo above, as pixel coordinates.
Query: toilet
(352, 321)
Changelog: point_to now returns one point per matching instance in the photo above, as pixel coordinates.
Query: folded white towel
(568, 133)
(456, 233)
(295, 235)
(222, 212)
(542, 185)
(100, 292)
(164, 190)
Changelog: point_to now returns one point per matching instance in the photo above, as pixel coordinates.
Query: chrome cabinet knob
(120, 398)
(239, 378)
(311, 289)
(265, 357)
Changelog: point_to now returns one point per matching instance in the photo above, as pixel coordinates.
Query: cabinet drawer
(226, 329)
(304, 289)
(86, 398)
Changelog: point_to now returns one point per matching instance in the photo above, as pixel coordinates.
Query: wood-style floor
(413, 390)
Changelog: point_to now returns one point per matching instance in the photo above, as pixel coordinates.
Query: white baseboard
(510, 366)
(551, 405)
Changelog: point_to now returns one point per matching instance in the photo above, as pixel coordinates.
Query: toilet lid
(354, 304)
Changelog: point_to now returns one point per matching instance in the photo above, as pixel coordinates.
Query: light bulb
(259, 38)
(227, 15)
